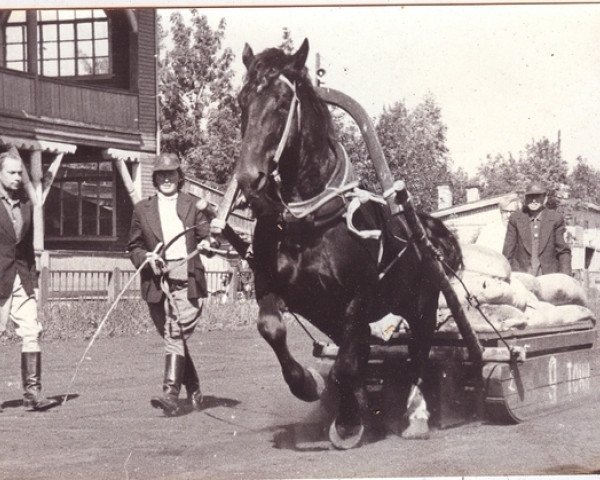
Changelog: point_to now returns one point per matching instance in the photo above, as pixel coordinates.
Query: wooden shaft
(219, 222)
(362, 119)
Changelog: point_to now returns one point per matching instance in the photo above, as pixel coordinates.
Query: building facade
(78, 102)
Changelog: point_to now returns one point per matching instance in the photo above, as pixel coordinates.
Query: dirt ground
(251, 426)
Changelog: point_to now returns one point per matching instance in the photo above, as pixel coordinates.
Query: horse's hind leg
(423, 328)
(305, 383)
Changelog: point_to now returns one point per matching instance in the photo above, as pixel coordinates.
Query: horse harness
(341, 197)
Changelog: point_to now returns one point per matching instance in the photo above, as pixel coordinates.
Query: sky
(503, 75)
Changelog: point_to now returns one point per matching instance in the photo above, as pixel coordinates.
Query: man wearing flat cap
(535, 237)
(172, 287)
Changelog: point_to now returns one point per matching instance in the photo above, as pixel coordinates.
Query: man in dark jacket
(18, 278)
(535, 238)
(172, 287)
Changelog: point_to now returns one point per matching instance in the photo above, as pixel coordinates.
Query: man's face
(534, 202)
(167, 182)
(11, 174)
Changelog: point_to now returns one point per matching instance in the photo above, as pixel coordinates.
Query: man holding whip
(174, 284)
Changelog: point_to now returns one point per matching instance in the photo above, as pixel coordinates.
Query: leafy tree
(540, 162)
(584, 182)
(199, 117)
(414, 144)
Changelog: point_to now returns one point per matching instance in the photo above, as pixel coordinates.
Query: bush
(79, 319)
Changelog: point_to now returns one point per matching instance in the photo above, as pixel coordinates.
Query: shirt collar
(165, 198)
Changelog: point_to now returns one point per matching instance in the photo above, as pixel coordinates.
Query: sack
(502, 317)
(484, 260)
(561, 289)
(489, 290)
(539, 314)
(545, 314)
(568, 314)
(531, 283)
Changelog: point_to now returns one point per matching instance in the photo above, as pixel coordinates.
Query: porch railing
(63, 285)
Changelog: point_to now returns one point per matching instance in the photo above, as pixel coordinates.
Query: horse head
(285, 127)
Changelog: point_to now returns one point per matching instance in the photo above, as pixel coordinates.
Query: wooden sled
(560, 369)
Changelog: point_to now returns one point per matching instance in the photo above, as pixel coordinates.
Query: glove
(156, 263)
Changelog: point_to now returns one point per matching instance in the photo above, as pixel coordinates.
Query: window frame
(113, 237)
(75, 58)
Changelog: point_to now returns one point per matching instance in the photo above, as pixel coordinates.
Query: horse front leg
(348, 375)
(305, 383)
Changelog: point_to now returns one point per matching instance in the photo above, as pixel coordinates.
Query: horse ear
(299, 58)
(247, 56)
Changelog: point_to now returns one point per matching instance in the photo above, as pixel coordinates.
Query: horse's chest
(299, 269)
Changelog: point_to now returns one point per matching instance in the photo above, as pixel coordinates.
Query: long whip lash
(114, 304)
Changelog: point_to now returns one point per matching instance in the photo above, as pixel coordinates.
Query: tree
(584, 182)
(540, 162)
(199, 117)
(414, 144)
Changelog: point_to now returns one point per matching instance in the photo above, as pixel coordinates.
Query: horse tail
(445, 241)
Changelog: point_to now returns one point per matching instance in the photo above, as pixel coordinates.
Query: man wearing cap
(535, 238)
(172, 287)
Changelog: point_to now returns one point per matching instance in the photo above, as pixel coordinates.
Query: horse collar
(328, 205)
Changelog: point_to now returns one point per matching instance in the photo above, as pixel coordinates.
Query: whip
(114, 304)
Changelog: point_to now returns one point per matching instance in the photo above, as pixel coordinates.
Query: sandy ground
(251, 426)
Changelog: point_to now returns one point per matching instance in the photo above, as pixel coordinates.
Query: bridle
(293, 110)
(302, 209)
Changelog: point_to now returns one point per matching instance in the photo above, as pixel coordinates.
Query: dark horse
(297, 181)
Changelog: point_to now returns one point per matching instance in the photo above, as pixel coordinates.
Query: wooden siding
(16, 92)
(69, 102)
(146, 63)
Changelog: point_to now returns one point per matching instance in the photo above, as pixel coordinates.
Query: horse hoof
(344, 438)
(418, 429)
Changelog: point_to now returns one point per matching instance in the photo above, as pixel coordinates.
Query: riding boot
(31, 374)
(174, 365)
(192, 383)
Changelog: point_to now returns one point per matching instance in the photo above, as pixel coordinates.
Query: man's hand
(207, 246)
(156, 263)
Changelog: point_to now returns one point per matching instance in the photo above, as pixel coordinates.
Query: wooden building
(78, 100)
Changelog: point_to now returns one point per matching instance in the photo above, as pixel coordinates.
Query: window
(70, 42)
(81, 202)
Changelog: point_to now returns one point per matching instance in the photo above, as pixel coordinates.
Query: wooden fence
(63, 285)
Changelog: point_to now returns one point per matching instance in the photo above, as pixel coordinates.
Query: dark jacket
(554, 252)
(146, 233)
(17, 257)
